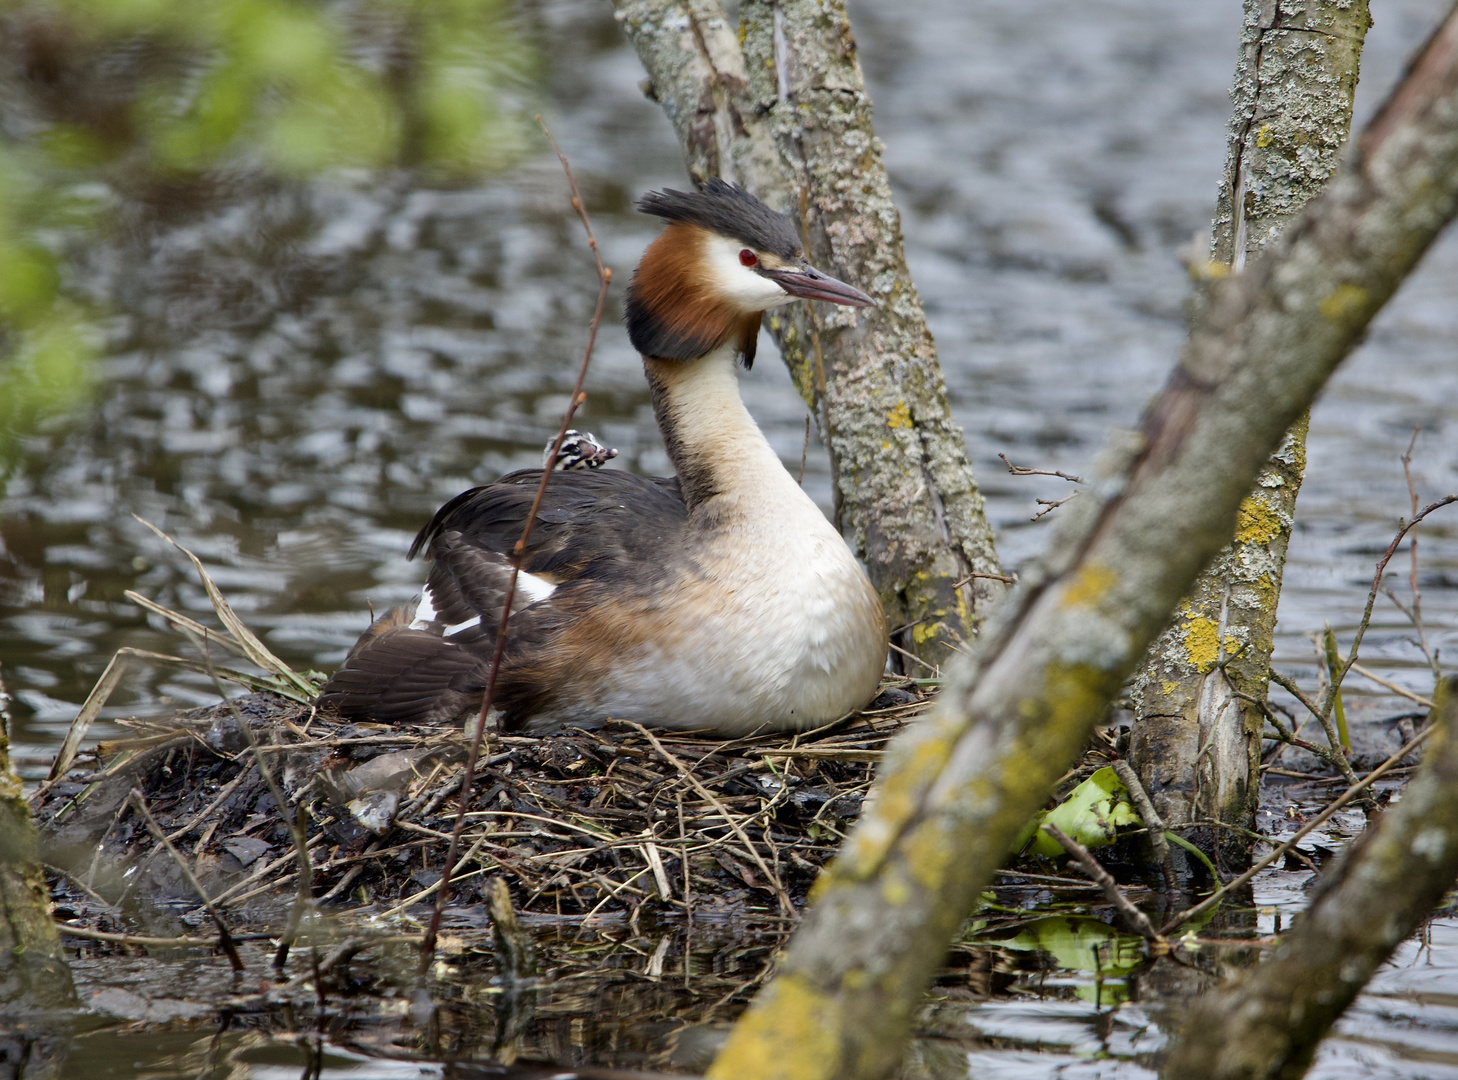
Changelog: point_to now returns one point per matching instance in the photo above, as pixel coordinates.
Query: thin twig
(1377, 580)
(87, 934)
(604, 278)
(1152, 820)
(1416, 615)
(1049, 505)
(774, 881)
(225, 938)
(1006, 579)
(205, 813)
(1137, 920)
(1401, 691)
(1023, 470)
(1335, 756)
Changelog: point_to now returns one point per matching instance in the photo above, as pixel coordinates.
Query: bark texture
(1269, 1023)
(33, 973)
(956, 789)
(1195, 743)
(787, 115)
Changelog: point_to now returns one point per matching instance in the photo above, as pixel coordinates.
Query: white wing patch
(529, 588)
(425, 613)
(533, 587)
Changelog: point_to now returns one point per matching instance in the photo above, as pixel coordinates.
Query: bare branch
(1136, 919)
(1023, 470)
(604, 278)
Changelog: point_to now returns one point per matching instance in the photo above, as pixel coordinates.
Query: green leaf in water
(1092, 814)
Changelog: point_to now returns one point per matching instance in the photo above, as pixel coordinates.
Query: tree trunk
(788, 117)
(1195, 743)
(957, 788)
(33, 973)
(1269, 1023)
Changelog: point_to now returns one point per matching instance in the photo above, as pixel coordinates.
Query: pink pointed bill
(810, 284)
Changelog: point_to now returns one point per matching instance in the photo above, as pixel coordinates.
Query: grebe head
(580, 450)
(724, 259)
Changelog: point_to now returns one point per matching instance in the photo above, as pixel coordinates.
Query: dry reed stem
(770, 876)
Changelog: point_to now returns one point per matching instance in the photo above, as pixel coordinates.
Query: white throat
(715, 436)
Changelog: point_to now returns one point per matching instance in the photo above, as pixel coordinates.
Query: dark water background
(297, 376)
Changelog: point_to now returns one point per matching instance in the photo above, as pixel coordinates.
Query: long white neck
(721, 456)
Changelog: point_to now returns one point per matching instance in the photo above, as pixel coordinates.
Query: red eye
(748, 258)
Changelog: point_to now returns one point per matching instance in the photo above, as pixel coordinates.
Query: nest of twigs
(579, 824)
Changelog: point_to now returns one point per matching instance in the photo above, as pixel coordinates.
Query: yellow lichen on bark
(1257, 522)
(791, 1033)
(1346, 303)
(927, 853)
(1202, 641)
(897, 803)
(1089, 586)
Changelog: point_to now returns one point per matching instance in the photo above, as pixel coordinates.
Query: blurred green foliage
(174, 88)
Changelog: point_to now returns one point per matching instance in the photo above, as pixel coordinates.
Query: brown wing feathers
(593, 528)
(406, 676)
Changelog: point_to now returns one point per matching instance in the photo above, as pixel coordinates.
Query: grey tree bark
(33, 971)
(787, 115)
(1269, 1022)
(957, 788)
(1196, 743)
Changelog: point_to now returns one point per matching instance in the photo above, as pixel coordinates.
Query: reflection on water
(297, 377)
(1066, 995)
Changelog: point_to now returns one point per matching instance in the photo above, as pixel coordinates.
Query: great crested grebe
(719, 598)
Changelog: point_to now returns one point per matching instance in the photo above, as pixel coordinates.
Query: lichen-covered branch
(33, 972)
(1197, 735)
(788, 116)
(957, 788)
(1268, 1024)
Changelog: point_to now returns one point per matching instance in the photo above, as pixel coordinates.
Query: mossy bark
(1196, 743)
(957, 788)
(33, 972)
(782, 108)
(1268, 1023)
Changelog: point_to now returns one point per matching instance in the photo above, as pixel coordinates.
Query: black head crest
(729, 210)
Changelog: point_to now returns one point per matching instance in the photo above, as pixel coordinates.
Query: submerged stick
(225, 936)
(1136, 919)
(1269, 1023)
(604, 278)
